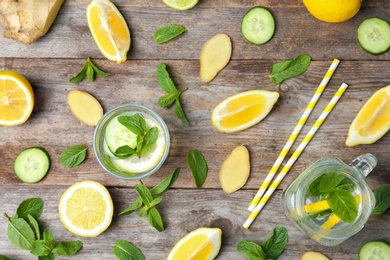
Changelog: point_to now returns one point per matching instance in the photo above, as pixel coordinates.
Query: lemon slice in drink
(180, 4)
(109, 30)
(243, 110)
(373, 120)
(202, 243)
(86, 209)
(16, 98)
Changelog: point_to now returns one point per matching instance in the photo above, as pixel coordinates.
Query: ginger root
(27, 20)
(85, 107)
(312, 255)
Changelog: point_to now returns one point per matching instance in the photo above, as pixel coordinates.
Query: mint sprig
(24, 232)
(173, 94)
(88, 71)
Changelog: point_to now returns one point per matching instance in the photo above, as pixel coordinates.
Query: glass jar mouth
(99, 137)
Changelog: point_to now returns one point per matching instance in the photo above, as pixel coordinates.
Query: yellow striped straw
(294, 134)
(295, 155)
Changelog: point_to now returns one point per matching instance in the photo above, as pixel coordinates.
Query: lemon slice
(202, 243)
(373, 120)
(86, 208)
(180, 4)
(16, 98)
(149, 160)
(243, 110)
(109, 30)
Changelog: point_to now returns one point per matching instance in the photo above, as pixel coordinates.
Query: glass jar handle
(364, 163)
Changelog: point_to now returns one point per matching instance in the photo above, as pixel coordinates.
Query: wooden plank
(182, 211)
(53, 127)
(69, 36)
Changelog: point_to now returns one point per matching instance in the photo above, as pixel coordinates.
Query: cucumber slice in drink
(117, 135)
(258, 25)
(373, 35)
(375, 250)
(32, 164)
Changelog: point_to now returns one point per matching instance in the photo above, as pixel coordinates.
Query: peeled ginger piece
(27, 20)
(85, 107)
(312, 255)
(235, 170)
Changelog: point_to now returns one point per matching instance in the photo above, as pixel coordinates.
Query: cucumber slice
(117, 135)
(258, 25)
(32, 164)
(373, 35)
(375, 250)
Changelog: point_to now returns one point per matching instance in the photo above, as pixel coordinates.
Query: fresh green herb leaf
(274, 246)
(166, 84)
(314, 187)
(155, 220)
(144, 193)
(198, 167)
(35, 225)
(136, 205)
(31, 206)
(20, 233)
(168, 32)
(382, 197)
(127, 251)
(148, 141)
(163, 186)
(288, 69)
(142, 212)
(3, 257)
(321, 213)
(47, 235)
(50, 256)
(252, 250)
(155, 202)
(88, 71)
(67, 248)
(41, 248)
(124, 152)
(343, 204)
(135, 123)
(330, 181)
(73, 156)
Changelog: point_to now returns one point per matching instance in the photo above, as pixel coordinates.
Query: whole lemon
(333, 11)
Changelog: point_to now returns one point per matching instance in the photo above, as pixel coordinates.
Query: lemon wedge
(202, 243)
(109, 30)
(16, 98)
(243, 110)
(86, 208)
(373, 120)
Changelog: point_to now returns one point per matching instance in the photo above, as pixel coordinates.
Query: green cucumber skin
(41, 175)
(243, 30)
(362, 44)
(365, 252)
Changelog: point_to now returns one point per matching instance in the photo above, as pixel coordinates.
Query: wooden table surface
(52, 60)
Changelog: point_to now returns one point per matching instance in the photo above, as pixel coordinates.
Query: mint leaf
(148, 141)
(252, 250)
(124, 152)
(163, 186)
(35, 225)
(144, 193)
(127, 251)
(198, 167)
(382, 197)
(164, 79)
(167, 100)
(134, 123)
(343, 204)
(50, 256)
(88, 71)
(31, 206)
(20, 233)
(274, 246)
(288, 69)
(73, 156)
(41, 248)
(67, 248)
(168, 32)
(136, 205)
(180, 113)
(155, 219)
(330, 181)
(47, 235)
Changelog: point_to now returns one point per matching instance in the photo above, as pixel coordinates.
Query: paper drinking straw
(294, 134)
(295, 155)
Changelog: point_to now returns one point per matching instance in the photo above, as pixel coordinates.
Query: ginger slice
(312, 255)
(85, 107)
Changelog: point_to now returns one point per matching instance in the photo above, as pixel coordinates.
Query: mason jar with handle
(330, 201)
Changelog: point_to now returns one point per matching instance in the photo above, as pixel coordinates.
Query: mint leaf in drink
(252, 250)
(31, 206)
(198, 167)
(124, 152)
(168, 32)
(73, 156)
(88, 71)
(290, 68)
(148, 140)
(330, 181)
(173, 94)
(41, 248)
(127, 251)
(274, 246)
(155, 219)
(67, 248)
(164, 185)
(20, 233)
(382, 197)
(343, 204)
(135, 123)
